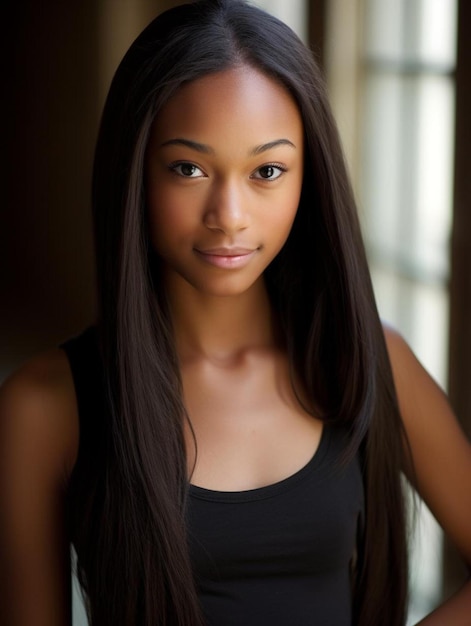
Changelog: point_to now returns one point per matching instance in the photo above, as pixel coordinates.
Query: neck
(220, 327)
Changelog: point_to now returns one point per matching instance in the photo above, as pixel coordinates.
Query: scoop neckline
(267, 491)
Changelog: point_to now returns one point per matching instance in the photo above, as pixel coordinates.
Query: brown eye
(186, 170)
(269, 172)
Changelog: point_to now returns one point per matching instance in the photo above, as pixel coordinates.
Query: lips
(233, 251)
(227, 258)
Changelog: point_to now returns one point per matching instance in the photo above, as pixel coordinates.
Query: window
(396, 117)
(405, 183)
(292, 13)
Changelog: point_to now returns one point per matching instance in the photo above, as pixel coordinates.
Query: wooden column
(49, 128)
(317, 17)
(58, 59)
(460, 284)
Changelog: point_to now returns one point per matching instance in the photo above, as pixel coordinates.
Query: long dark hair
(133, 558)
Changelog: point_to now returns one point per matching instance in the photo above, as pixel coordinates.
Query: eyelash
(173, 167)
(277, 166)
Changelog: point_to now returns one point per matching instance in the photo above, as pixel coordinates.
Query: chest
(248, 427)
(304, 525)
(281, 553)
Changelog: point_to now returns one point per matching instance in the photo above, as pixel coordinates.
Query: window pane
(435, 118)
(383, 28)
(292, 13)
(380, 187)
(437, 35)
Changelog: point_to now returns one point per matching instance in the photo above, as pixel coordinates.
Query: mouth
(227, 258)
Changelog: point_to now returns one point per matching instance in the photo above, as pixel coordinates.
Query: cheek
(283, 227)
(285, 211)
(168, 217)
(163, 228)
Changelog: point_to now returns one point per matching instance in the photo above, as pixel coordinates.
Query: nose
(227, 209)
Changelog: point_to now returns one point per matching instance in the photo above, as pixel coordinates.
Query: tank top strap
(86, 484)
(86, 366)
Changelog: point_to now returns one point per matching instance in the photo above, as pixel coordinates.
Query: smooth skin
(224, 175)
(223, 178)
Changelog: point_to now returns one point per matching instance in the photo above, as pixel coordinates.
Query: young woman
(225, 447)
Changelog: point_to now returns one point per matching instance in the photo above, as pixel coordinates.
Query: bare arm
(38, 443)
(442, 459)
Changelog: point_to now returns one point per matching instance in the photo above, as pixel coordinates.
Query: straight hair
(129, 528)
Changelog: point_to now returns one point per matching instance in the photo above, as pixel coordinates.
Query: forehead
(236, 105)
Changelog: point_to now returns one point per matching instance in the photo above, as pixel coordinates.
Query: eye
(186, 170)
(269, 172)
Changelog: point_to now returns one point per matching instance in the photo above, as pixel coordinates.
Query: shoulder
(38, 414)
(38, 446)
(441, 452)
(414, 385)
(400, 354)
(422, 402)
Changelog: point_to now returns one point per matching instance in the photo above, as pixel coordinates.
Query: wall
(59, 58)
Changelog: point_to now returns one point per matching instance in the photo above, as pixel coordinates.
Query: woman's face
(224, 170)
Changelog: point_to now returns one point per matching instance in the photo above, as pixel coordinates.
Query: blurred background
(399, 77)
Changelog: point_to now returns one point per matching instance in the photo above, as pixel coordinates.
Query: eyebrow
(203, 148)
(194, 145)
(272, 144)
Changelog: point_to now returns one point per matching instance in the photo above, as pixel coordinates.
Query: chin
(228, 286)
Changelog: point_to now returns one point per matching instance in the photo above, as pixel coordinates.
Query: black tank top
(279, 555)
